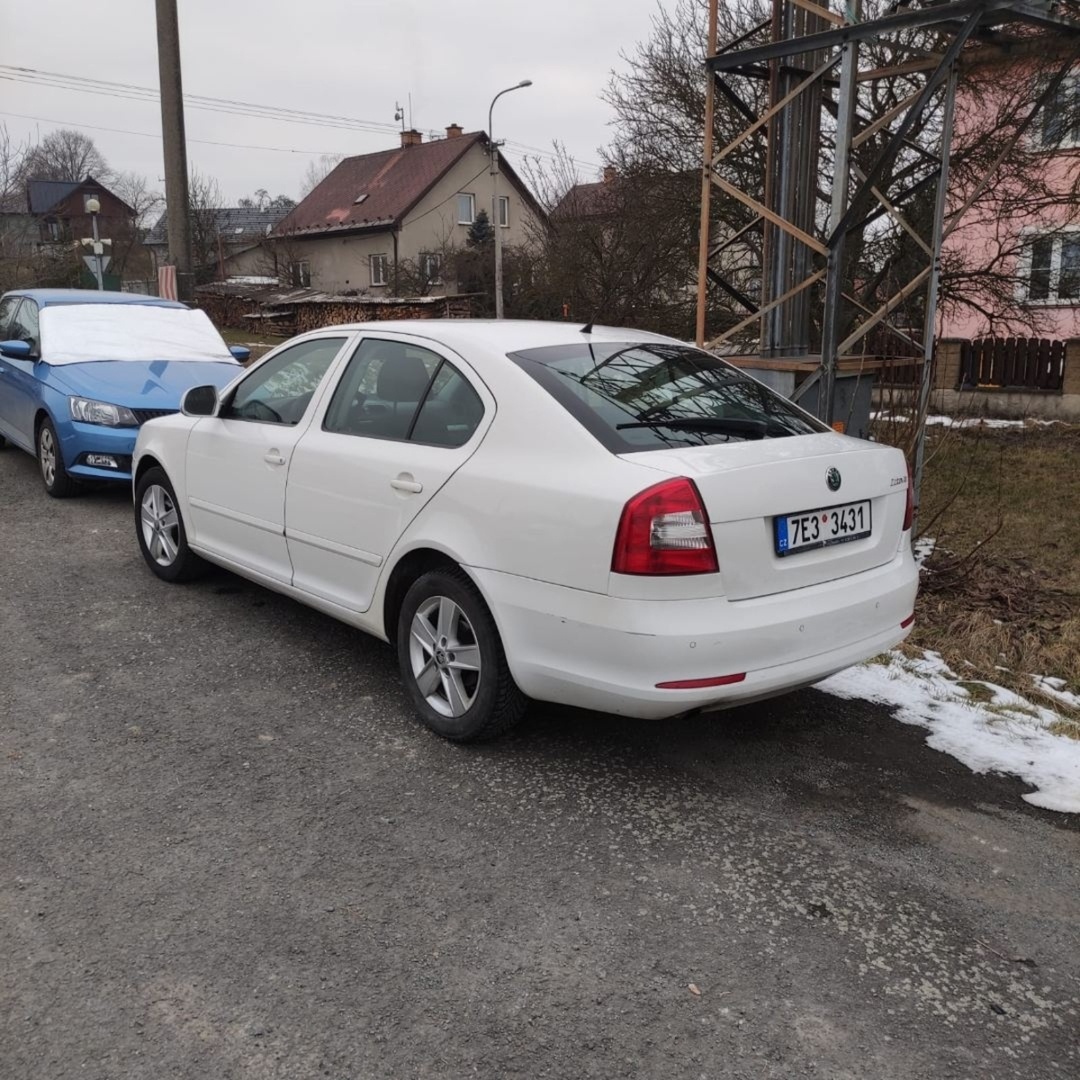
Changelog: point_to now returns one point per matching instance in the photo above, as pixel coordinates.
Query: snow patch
(1005, 734)
(963, 422)
(923, 548)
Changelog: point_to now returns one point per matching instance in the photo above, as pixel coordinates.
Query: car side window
(279, 391)
(7, 309)
(450, 412)
(24, 326)
(381, 389)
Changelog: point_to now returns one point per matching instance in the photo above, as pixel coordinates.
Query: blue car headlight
(89, 411)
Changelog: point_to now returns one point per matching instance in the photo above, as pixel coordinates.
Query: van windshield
(651, 395)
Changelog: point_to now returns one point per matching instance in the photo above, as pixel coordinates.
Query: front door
(19, 389)
(237, 461)
(402, 419)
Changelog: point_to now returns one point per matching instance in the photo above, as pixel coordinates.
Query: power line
(157, 135)
(229, 106)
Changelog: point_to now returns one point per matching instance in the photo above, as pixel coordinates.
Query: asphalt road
(228, 851)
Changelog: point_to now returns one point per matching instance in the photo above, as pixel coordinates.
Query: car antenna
(587, 328)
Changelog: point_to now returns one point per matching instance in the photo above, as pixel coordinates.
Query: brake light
(664, 530)
(909, 510)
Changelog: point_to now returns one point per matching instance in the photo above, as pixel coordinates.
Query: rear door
(237, 461)
(403, 418)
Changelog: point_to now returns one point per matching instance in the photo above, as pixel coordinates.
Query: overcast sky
(352, 58)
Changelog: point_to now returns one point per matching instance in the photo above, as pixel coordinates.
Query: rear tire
(160, 529)
(452, 660)
(54, 476)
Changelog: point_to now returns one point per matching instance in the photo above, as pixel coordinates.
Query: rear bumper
(607, 653)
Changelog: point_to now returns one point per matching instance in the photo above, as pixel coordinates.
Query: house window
(431, 268)
(300, 274)
(1053, 272)
(86, 200)
(380, 270)
(1061, 115)
(466, 209)
(504, 211)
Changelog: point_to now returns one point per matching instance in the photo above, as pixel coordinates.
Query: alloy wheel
(160, 525)
(444, 656)
(47, 456)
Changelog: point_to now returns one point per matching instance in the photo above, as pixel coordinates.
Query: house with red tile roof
(410, 206)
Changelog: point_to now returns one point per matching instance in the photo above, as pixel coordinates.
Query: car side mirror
(199, 401)
(241, 352)
(16, 350)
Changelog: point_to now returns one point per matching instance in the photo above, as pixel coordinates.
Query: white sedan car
(596, 517)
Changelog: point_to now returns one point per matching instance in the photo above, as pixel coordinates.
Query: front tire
(452, 660)
(160, 529)
(54, 476)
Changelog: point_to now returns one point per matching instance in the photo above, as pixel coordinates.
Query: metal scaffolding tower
(815, 202)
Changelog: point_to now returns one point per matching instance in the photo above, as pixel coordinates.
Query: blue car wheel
(57, 482)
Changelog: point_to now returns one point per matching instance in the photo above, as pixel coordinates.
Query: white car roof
(467, 336)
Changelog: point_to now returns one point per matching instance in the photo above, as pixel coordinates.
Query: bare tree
(205, 205)
(659, 97)
(317, 171)
(65, 154)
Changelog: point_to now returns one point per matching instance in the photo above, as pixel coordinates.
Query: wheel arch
(405, 571)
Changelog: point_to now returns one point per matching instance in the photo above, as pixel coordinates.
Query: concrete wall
(343, 262)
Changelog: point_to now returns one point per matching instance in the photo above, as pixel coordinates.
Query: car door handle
(273, 457)
(405, 482)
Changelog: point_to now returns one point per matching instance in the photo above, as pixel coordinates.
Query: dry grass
(1001, 593)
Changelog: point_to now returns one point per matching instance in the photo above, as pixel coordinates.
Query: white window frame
(1028, 237)
(504, 211)
(300, 269)
(1070, 85)
(437, 278)
(472, 207)
(381, 261)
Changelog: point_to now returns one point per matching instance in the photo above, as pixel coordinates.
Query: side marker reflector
(908, 621)
(701, 684)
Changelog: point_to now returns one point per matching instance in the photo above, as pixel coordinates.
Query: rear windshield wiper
(749, 429)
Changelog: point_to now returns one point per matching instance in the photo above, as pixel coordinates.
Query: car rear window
(647, 396)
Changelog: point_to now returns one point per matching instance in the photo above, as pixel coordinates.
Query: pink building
(1023, 236)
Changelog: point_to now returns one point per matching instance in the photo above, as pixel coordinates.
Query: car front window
(279, 390)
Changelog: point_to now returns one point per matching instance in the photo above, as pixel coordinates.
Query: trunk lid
(746, 485)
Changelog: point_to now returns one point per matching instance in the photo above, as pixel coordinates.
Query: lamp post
(93, 208)
(495, 197)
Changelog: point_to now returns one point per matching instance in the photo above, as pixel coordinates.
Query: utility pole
(496, 224)
(175, 145)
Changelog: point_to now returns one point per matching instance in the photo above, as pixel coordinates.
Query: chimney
(454, 131)
(610, 172)
(412, 137)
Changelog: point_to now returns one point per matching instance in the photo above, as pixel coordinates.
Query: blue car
(81, 370)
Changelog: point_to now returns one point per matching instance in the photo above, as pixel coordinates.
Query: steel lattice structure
(821, 67)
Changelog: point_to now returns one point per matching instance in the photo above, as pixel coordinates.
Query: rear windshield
(648, 396)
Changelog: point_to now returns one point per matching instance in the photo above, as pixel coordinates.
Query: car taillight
(909, 510)
(664, 530)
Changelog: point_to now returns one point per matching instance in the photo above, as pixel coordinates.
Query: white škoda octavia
(597, 517)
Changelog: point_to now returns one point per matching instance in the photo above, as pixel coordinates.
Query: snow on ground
(923, 548)
(1005, 733)
(963, 422)
(1055, 688)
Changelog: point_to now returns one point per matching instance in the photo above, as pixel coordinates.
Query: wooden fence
(1020, 363)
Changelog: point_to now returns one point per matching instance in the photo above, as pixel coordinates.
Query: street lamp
(495, 197)
(93, 208)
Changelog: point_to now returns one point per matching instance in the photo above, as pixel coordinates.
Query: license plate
(822, 528)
